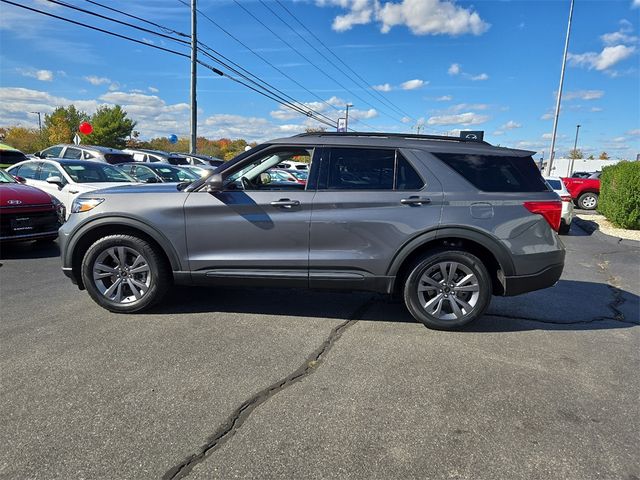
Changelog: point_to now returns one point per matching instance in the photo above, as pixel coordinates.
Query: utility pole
(555, 119)
(194, 73)
(346, 122)
(575, 151)
(39, 120)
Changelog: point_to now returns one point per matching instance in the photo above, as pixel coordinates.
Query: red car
(27, 213)
(584, 191)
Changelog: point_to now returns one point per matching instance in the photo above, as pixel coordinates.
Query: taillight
(566, 198)
(550, 210)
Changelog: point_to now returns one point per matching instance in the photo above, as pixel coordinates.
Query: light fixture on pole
(39, 120)
(346, 123)
(552, 152)
(194, 72)
(574, 153)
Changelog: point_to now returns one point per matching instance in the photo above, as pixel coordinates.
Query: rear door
(370, 202)
(251, 229)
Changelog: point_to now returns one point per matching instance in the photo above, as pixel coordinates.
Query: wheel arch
(495, 256)
(92, 231)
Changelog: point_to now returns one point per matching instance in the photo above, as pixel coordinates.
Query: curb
(590, 227)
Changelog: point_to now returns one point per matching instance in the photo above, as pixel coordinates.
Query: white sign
(76, 139)
(342, 124)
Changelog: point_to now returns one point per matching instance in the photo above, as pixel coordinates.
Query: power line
(303, 56)
(366, 83)
(175, 52)
(220, 27)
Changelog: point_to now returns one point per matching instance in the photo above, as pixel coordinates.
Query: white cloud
(422, 17)
(498, 132)
(153, 90)
(444, 98)
(454, 69)
(582, 94)
(635, 4)
(467, 106)
(596, 109)
(42, 75)
(546, 136)
(510, 125)
(385, 87)
(604, 60)
(284, 113)
(635, 132)
(481, 77)
(95, 80)
(114, 86)
(413, 84)
(467, 118)
(547, 116)
(406, 120)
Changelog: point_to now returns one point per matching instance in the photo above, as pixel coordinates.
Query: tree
(603, 156)
(61, 125)
(575, 154)
(27, 140)
(591, 157)
(315, 129)
(111, 127)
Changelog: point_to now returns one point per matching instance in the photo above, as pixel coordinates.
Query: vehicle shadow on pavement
(569, 305)
(25, 250)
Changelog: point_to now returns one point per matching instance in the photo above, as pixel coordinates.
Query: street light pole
(574, 153)
(552, 152)
(346, 120)
(194, 73)
(39, 120)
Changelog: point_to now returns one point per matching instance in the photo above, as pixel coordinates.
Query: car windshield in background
(555, 184)
(115, 158)
(94, 172)
(177, 161)
(173, 174)
(6, 178)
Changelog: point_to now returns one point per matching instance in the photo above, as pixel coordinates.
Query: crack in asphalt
(240, 415)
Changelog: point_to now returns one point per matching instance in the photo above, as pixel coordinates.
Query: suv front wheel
(448, 289)
(124, 274)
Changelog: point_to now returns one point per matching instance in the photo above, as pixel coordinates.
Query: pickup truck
(584, 191)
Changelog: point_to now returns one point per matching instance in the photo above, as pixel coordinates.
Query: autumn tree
(576, 154)
(603, 156)
(27, 140)
(61, 125)
(591, 157)
(111, 127)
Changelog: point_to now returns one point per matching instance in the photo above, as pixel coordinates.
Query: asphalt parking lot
(245, 383)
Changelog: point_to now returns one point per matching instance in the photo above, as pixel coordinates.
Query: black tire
(159, 272)
(471, 263)
(588, 201)
(564, 228)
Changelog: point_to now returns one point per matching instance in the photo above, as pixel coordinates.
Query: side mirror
(214, 183)
(55, 180)
(20, 179)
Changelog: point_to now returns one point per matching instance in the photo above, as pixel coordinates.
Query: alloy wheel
(122, 274)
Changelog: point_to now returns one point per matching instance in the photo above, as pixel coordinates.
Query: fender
(114, 221)
(498, 250)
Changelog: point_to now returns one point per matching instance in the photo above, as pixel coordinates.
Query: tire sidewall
(122, 241)
(586, 195)
(411, 291)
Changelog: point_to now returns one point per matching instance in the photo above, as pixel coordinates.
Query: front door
(256, 228)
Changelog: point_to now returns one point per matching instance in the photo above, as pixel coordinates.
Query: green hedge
(620, 194)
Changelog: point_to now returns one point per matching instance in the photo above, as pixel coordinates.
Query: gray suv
(444, 223)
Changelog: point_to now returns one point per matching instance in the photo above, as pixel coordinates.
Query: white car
(291, 165)
(567, 203)
(66, 179)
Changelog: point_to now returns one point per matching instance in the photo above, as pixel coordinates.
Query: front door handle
(415, 200)
(285, 203)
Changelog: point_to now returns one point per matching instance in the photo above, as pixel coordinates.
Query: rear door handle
(285, 203)
(415, 200)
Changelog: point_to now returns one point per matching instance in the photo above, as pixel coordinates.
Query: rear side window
(27, 170)
(73, 153)
(9, 157)
(555, 184)
(115, 158)
(492, 173)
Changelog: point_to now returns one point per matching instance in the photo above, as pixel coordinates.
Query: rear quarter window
(493, 173)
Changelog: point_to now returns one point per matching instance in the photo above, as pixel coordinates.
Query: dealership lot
(543, 386)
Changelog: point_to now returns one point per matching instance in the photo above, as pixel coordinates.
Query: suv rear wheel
(124, 274)
(448, 289)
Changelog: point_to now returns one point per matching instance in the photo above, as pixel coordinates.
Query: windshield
(6, 178)
(173, 174)
(94, 172)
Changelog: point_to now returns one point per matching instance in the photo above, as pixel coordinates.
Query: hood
(119, 188)
(11, 193)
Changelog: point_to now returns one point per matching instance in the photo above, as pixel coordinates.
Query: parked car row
(585, 191)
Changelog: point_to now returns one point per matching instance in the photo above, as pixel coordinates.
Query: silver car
(85, 152)
(442, 222)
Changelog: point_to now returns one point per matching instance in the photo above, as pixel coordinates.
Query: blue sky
(443, 65)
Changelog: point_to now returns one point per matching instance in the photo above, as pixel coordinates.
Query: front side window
(47, 171)
(53, 152)
(73, 153)
(255, 175)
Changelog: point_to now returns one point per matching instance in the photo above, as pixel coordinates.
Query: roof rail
(412, 136)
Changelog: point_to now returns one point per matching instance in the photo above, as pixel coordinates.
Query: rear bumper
(547, 277)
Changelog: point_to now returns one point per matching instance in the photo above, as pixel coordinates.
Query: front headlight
(80, 205)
